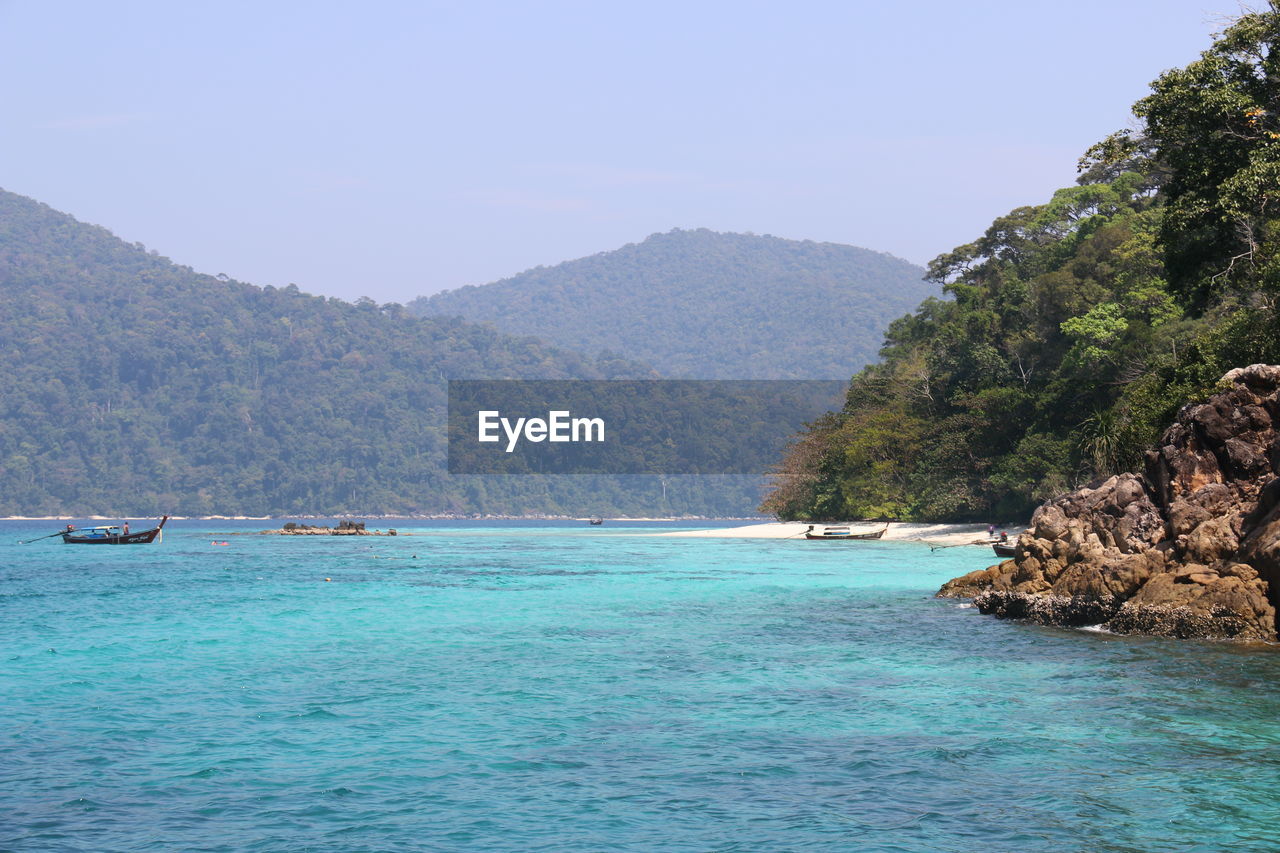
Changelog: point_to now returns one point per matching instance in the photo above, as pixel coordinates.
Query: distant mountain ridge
(707, 305)
(133, 385)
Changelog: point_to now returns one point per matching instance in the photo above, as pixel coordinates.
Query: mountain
(132, 385)
(704, 305)
(1079, 327)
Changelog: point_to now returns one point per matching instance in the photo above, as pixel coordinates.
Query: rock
(971, 584)
(1213, 539)
(1189, 548)
(344, 528)
(1119, 514)
(1067, 611)
(1260, 376)
(1260, 551)
(1194, 509)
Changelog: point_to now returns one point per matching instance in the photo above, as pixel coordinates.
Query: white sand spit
(932, 534)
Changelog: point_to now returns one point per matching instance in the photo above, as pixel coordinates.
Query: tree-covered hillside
(1079, 326)
(132, 385)
(704, 305)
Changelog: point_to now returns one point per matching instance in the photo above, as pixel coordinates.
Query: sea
(549, 686)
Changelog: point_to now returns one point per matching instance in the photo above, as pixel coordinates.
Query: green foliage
(1079, 326)
(1215, 127)
(131, 385)
(702, 305)
(1095, 333)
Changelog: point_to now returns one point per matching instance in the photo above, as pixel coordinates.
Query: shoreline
(897, 531)
(358, 517)
(940, 534)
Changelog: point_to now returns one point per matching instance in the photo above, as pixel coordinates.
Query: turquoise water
(545, 687)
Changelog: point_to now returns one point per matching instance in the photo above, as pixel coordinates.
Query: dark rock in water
(1050, 609)
(344, 528)
(1190, 548)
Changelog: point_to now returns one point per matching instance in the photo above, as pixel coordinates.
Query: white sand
(932, 534)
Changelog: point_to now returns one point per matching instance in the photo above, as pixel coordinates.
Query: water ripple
(569, 692)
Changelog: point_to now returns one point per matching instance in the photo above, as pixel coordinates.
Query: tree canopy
(1080, 325)
(132, 385)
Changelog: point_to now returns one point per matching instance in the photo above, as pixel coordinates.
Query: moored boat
(843, 533)
(112, 534)
(1003, 550)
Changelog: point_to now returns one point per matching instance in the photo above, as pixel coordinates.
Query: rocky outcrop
(1188, 548)
(344, 528)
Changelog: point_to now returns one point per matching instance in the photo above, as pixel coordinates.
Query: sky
(394, 149)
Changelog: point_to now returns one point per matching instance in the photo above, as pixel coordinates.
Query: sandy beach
(930, 534)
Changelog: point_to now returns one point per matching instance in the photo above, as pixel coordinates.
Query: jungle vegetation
(130, 385)
(1079, 326)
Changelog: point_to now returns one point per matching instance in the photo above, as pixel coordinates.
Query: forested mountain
(1079, 326)
(132, 385)
(704, 305)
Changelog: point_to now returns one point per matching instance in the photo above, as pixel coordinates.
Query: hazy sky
(393, 149)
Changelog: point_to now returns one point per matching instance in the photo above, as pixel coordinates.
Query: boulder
(1188, 548)
(973, 583)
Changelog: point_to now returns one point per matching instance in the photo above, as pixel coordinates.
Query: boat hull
(142, 537)
(844, 537)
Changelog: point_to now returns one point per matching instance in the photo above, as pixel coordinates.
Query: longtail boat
(112, 534)
(843, 533)
(1003, 549)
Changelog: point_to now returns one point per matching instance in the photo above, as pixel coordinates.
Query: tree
(1215, 128)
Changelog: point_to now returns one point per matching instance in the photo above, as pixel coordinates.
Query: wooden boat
(842, 533)
(112, 534)
(1004, 550)
(596, 521)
